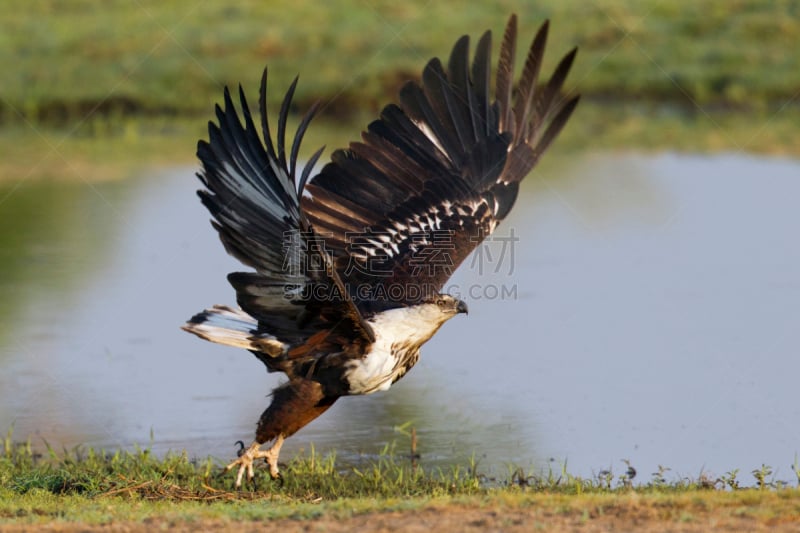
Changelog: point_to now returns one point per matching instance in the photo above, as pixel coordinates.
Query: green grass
(91, 94)
(64, 60)
(94, 486)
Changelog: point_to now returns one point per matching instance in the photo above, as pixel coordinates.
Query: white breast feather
(404, 327)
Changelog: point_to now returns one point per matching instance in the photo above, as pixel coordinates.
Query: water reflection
(654, 319)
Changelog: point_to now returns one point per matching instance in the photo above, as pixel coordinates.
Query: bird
(348, 265)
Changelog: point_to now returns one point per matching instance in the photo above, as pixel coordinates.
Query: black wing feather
(447, 159)
(505, 75)
(459, 99)
(527, 84)
(252, 193)
(481, 70)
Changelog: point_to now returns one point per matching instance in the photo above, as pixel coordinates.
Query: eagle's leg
(251, 454)
(294, 405)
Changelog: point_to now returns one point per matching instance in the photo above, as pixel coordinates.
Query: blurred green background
(94, 90)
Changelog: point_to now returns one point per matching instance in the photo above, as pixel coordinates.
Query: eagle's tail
(233, 327)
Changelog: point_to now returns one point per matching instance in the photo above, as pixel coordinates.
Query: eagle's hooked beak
(462, 307)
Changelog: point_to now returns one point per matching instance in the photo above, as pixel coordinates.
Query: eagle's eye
(440, 302)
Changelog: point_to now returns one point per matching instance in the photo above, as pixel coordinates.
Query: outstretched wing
(432, 177)
(252, 192)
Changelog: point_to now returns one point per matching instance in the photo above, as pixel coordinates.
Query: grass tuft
(84, 486)
(311, 477)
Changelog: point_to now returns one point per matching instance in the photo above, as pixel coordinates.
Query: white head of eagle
(444, 164)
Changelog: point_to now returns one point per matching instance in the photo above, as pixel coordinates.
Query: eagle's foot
(253, 453)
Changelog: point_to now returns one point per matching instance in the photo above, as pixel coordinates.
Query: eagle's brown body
(342, 297)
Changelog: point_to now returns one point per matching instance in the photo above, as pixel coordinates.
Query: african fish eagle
(342, 299)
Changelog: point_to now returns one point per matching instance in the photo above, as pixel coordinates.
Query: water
(650, 314)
